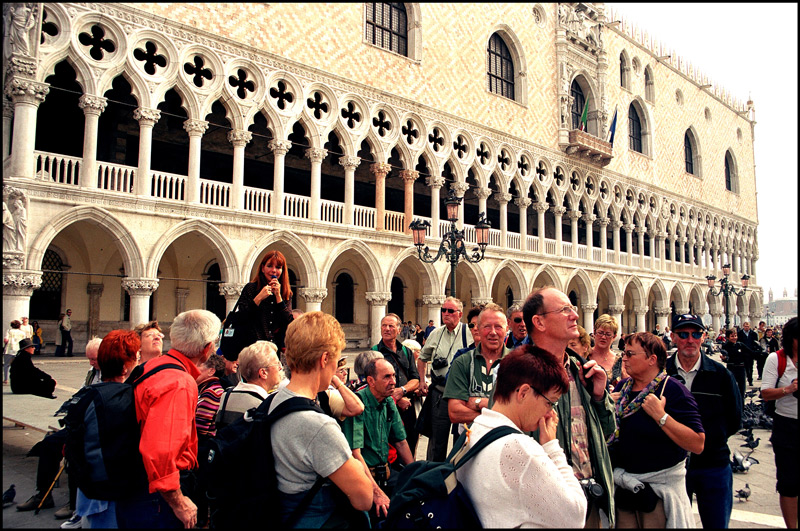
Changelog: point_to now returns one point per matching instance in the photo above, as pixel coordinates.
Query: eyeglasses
(604, 334)
(449, 310)
(629, 353)
(564, 310)
(517, 320)
(685, 335)
(471, 325)
(552, 404)
(278, 365)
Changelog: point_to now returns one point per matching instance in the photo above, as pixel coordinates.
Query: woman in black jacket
(267, 299)
(27, 379)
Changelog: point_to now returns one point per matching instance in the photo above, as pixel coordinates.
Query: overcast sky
(748, 49)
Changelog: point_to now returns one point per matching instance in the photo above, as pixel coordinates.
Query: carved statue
(20, 222)
(9, 230)
(22, 20)
(563, 14)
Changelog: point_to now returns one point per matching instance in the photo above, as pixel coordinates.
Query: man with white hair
(165, 409)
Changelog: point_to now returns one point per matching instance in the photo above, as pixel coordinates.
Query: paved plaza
(759, 511)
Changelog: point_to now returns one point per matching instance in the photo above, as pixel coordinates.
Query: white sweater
(516, 482)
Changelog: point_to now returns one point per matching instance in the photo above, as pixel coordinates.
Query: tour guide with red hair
(267, 299)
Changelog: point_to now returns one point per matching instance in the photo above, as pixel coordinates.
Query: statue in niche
(9, 230)
(18, 28)
(563, 14)
(20, 214)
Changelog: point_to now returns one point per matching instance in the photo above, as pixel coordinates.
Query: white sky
(748, 49)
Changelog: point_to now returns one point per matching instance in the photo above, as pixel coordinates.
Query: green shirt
(461, 384)
(373, 430)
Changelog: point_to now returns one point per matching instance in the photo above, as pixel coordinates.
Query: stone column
(640, 235)
(603, 222)
(140, 290)
(434, 304)
(147, 118)
(314, 298)
(18, 286)
(672, 256)
(615, 311)
(239, 139)
(482, 195)
(8, 122)
(231, 292)
(460, 189)
(682, 253)
(92, 107)
(641, 323)
(502, 199)
(662, 317)
(93, 323)
(349, 164)
(279, 150)
(559, 212)
(377, 301)
(380, 170)
(436, 183)
(523, 203)
(574, 216)
(180, 300)
(196, 129)
(589, 220)
(588, 317)
(652, 235)
(716, 321)
(628, 227)
(541, 207)
(408, 176)
(316, 156)
(26, 95)
(660, 239)
(615, 226)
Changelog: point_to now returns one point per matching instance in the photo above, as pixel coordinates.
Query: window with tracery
(500, 67)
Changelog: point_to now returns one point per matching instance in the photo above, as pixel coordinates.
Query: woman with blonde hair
(605, 330)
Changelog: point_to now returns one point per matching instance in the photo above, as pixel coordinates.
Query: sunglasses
(517, 320)
(471, 325)
(685, 335)
(449, 310)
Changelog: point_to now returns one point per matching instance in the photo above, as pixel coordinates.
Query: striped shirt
(208, 400)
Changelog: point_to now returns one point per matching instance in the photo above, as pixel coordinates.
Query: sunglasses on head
(685, 335)
(449, 310)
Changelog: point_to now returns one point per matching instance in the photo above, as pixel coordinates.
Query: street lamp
(726, 289)
(452, 245)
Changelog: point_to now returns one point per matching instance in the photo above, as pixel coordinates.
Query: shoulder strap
(147, 375)
(496, 433)
(781, 363)
(463, 335)
(663, 387)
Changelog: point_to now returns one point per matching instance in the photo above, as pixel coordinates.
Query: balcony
(589, 147)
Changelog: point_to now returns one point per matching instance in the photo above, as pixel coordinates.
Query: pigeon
(747, 432)
(8, 496)
(743, 493)
(752, 444)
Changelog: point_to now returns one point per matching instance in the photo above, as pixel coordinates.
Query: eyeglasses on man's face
(564, 310)
(517, 320)
(449, 310)
(685, 335)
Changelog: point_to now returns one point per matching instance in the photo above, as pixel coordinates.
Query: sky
(750, 50)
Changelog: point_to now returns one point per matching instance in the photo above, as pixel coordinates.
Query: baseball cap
(686, 320)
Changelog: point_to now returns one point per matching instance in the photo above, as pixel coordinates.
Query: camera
(592, 489)
(439, 363)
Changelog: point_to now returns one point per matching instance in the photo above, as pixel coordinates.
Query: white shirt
(688, 376)
(786, 406)
(516, 482)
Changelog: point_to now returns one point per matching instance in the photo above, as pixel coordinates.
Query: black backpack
(103, 434)
(238, 332)
(428, 494)
(242, 485)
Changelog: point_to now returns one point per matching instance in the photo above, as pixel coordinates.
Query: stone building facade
(160, 150)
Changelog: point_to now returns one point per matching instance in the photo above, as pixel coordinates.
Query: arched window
(344, 289)
(215, 302)
(387, 27)
(688, 153)
(509, 297)
(634, 130)
(730, 173)
(46, 300)
(578, 102)
(649, 84)
(397, 303)
(499, 67)
(624, 72)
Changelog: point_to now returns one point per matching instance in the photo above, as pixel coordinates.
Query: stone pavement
(759, 511)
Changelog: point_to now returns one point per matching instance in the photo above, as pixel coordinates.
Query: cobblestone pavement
(759, 511)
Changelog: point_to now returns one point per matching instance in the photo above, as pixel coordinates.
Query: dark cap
(25, 343)
(686, 320)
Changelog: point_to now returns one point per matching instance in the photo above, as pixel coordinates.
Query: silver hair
(512, 309)
(192, 330)
(258, 355)
(93, 343)
(363, 359)
(458, 303)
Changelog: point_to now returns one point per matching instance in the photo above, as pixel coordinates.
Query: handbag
(424, 424)
(237, 334)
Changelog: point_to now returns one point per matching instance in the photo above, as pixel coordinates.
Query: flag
(585, 116)
(613, 127)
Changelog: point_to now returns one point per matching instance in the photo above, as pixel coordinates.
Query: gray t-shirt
(305, 444)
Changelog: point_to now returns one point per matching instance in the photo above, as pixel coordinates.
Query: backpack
(238, 333)
(769, 405)
(429, 495)
(102, 445)
(242, 485)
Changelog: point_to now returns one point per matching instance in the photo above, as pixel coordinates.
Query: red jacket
(165, 409)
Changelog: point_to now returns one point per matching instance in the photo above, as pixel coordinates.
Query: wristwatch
(477, 404)
(663, 420)
(404, 390)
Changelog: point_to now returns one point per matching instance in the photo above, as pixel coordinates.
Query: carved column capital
(433, 300)
(641, 310)
(409, 175)
(574, 215)
(380, 168)
(13, 260)
(541, 206)
(21, 282)
(195, 127)
(316, 155)
(23, 90)
(94, 290)
(502, 197)
(140, 286)
(459, 188)
(313, 295)
(230, 290)
(662, 312)
(523, 202)
(588, 308)
(559, 211)
(603, 222)
(349, 163)
(477, 301)
(616, 308)
(92, 104)
(239, 138)
(378, 298)
(589, 218)
(435, 181)
(280, 147)
(146, 116)
(628, 227)
(482, 193)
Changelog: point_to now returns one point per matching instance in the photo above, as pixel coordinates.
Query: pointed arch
(228, 266)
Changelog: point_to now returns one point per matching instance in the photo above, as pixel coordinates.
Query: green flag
(585, 116)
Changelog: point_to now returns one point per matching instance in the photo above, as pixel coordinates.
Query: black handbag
(424, 424)
(237, 333)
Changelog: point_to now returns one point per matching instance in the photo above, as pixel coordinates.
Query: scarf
(628, 405)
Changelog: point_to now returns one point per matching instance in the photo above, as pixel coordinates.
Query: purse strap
(663, 387)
